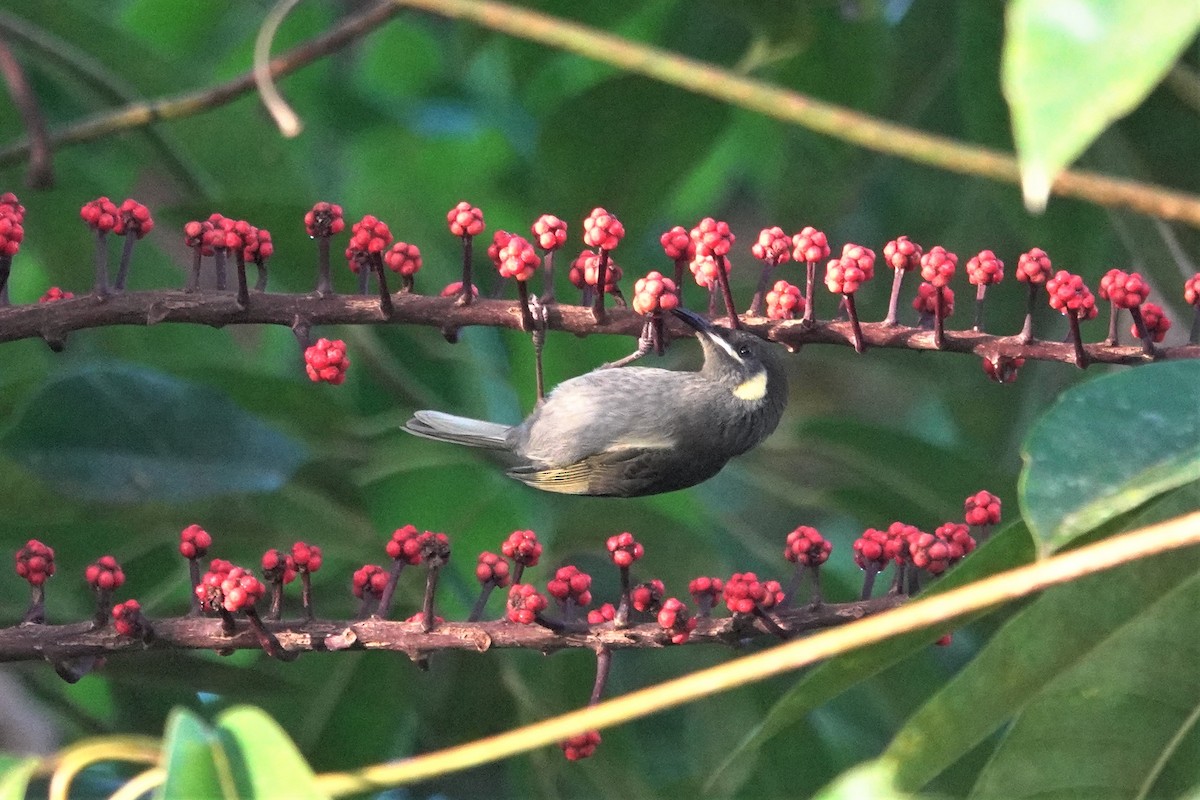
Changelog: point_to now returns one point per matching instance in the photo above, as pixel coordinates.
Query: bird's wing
(623, 472)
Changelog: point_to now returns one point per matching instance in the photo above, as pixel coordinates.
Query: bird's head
(749, 366)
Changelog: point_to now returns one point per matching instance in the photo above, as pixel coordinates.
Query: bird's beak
(693, 320)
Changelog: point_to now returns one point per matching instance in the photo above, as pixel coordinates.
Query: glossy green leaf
(1108, 446)
(264, 759)
(195, 760)
(14, 776)
(1058, 634)
(1057, 111)
(1112, 725)
(124, 434)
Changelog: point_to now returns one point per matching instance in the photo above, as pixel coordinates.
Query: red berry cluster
(984, 269)
(127, 618)
(623, 549)
(926, 300)
(647, 597)
(784, 301)
(549, 232)
(902, 254)
(705, 271)
(35, 562)
(324, 220)
(370, 235)
(1034, 266)
(135, 218)
(102, 216)
(518, 259)
(602, 230)
(194, 542)
(582, 746)
(326, 361)
(810, 245)
(307, 557)
(938, 266)
(604, 614)
(12, 233)
(569, 584)
(523, 548)
(1191, 290)
(278, 566)
(982, 508)
(404, 259)
(105, 574)
(773, 246)
(405, 545)
(744, 593)
(369, 581)
(499, 241)
(677, 244)
(712, 237)
(1156, 321)
(54, 293)
(846, 274)
(240, 590)
(705, 591)
(805, 545)
(875, 549)
(465, 220)
(1124, 289)
(1068, 294)
(654, 293)
(525, 603)
(675, 618)
(492, 569)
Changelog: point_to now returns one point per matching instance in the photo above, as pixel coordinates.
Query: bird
(635, 431)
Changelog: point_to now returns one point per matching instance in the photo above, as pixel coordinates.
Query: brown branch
(53, 321)
(41, 170)
(63, 642)
(141, 114)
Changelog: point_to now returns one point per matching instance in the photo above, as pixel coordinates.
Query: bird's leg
(537, 314)
(645, 344)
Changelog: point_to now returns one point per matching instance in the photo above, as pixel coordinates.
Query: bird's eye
(743, 351)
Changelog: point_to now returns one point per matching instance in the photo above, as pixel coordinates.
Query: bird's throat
(753, 388)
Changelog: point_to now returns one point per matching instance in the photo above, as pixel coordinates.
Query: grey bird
(635, 431)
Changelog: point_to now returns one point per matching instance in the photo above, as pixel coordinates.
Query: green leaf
(264, 759)
(1107, 447)
(1059, 633)
(1008, 549)
(1072, 67)
(1112, 725)
(195, 760)
(14, 776)
(874, 780)
(127, 434)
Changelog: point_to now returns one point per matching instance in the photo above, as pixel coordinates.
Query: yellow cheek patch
(754, 388)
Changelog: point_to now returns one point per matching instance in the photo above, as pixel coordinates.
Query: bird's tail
(458, 430)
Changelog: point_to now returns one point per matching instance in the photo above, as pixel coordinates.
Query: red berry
(982, 508)
(784, 301)
(654, 293)
(278, 567)
(926, 299)
(523, 548)
(55, 293)
(369, 580)
(326, 361)
(465, 220)
(1034, 266)
(903, 254)
(35, 562)
(675, 618)
(773, 246)
(938, 266)
(306, 556)
(810, 245)
(518, 259)
(1157, 322)
(11, 206)
(194, 542)
(135, 218)
(601, 615)
(712, 237)
(491, 568)
(1124, 289)
(104, 574)
(499, 240)
(623, 549)
(805, 545)
(454, 289)
(127, 618)
(324, 219)
(677, 244)
(11, 233)
(1002, 369)
(525, 602)
(1068, 293)
(602, 230)
(581, 746)
(549, 232)
(985, 269)
(646, 597)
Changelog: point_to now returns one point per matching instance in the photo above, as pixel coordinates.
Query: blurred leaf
(1060, 633)
(1109, 446)
(1127, 45)
(1109, 726)
(124, 434)
(264, 759)
(15, 773)
(875, 780)
(195, 760)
